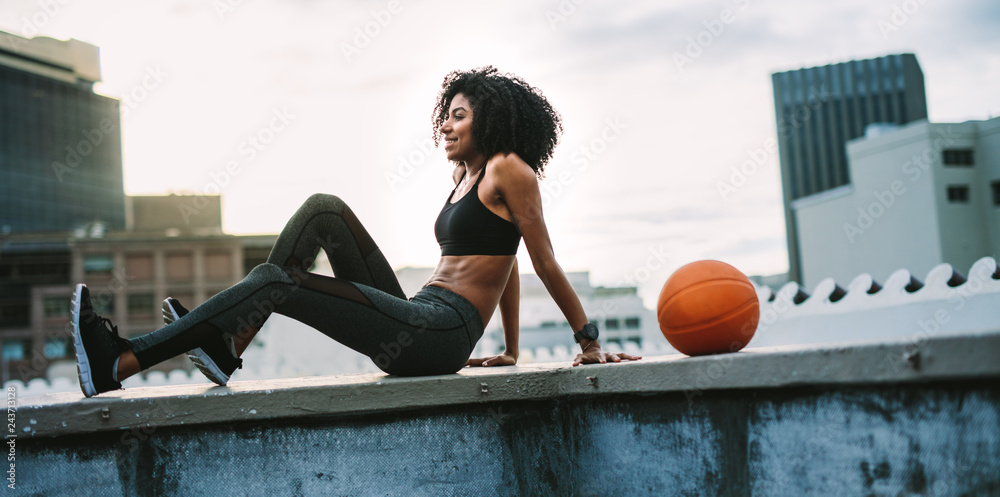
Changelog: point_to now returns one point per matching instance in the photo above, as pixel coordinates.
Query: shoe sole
(201, 360)
(83, 370)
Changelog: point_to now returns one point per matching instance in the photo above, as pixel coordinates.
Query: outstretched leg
(245, 304)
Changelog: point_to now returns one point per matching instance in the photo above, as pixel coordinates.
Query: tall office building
(818, 109)
(60, 143)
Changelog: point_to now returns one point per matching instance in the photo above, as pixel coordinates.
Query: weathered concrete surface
(916, 439)
(880, 419)
(929, 359)
(941, 440)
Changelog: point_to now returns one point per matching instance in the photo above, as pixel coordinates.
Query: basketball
(708, 307)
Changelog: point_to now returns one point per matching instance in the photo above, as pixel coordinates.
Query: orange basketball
(708, 307)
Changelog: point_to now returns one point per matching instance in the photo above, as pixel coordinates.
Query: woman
(500, 133)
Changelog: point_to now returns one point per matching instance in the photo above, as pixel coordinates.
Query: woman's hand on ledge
(595, 354)
(504, 359)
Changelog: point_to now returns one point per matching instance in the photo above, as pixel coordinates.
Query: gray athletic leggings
(363, 307)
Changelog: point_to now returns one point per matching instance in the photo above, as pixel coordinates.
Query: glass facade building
(60, 146)
(819, 109)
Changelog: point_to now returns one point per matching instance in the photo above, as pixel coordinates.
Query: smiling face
(457, 131)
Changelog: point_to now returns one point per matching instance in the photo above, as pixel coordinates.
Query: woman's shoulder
(510, 176)
(510, 165)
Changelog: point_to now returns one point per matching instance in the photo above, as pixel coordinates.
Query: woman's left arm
(510, 303)
(518, 186)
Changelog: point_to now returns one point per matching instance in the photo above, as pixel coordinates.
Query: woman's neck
(474, 166)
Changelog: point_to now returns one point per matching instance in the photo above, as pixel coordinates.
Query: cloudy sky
(661, 99)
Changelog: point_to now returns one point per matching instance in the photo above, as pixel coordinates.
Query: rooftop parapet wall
(941, 358)
(882, 418)
(908, 306)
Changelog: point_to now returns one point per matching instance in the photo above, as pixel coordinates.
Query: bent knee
(269, 272)
(323, 201)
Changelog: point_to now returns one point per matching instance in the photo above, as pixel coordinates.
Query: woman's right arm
(518, 186)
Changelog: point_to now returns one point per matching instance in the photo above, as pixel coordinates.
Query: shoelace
(125, 344)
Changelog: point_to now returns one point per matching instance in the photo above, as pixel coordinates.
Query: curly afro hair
(509, 115)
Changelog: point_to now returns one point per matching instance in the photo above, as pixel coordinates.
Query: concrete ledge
(940, 358)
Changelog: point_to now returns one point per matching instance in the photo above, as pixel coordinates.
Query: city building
(64, 216)
(618, 312)
(920, 195)
(819, 109)
(60, 143)
(128, 273)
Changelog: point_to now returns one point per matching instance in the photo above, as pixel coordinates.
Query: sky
(267, 102)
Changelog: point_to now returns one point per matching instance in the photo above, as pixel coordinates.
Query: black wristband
(589, 332)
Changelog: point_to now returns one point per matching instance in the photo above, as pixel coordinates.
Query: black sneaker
(97, 345)
(216, 360)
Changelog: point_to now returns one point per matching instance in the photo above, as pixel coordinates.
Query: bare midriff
(479, 278)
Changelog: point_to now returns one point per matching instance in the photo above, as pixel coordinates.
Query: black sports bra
(468, 227)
